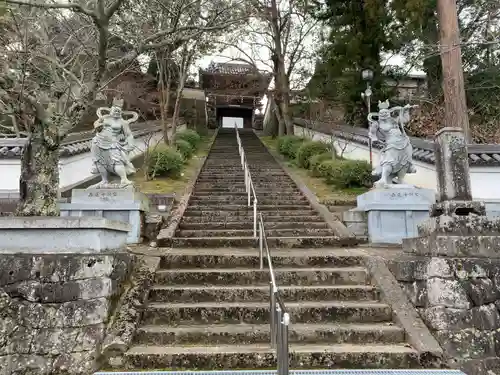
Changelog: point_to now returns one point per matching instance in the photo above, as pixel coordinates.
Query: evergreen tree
(360, 31)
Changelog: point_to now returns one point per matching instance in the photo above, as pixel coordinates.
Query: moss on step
(325, 193)
(168, 185)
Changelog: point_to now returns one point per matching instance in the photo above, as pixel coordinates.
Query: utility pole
(453, 75)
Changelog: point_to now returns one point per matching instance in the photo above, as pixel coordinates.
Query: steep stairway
(218, 214)
(209, 310)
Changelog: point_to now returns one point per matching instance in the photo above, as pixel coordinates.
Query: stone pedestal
(393, 214)
(451, 271)
(356, 221)
(126, 205)
(61, 234)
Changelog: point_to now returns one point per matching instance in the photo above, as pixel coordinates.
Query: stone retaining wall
(54, 310)
(459, 301)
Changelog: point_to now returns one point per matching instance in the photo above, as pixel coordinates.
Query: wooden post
(453, 76)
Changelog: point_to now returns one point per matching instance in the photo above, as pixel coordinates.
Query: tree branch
(72, 6)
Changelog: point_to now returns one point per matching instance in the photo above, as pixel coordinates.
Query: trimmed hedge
(308, 149)
(165, 162)
(190, 136)
(288, 145)
(185, 148)
(346, 173)
(316, 160)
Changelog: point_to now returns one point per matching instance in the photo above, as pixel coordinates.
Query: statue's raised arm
(404, 114)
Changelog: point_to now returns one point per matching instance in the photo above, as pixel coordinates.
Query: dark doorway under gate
(246, 113)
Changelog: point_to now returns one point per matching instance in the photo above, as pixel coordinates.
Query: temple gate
(234, 90)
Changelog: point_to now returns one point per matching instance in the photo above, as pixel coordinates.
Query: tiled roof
(423, 150)
(75, 143)
(230, 68)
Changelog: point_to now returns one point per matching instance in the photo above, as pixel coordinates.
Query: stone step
(247, 212)
(241, 185)
(261, 183)
(233, 190)
(304, 231)
(249, 258)
(218, 195)
(255, 180)
(248, 224)
(223, 173)
(284, 276)
(218, 200)
(244, 334)
(269, 220)
(258, 313)
(276, 242)
(252, 293)
(262, 207)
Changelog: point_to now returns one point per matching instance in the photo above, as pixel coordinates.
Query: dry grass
(168, 185)
(325, 193)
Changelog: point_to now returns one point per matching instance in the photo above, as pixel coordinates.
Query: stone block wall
(459, 300)
(54, 310)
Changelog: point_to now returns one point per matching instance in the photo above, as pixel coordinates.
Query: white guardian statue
(396, 154)
(112, 144)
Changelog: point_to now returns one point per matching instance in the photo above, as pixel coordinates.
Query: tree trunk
(164, 96)
(177, 108)
(271, 125)
(279, 117)
(281, 82)
(455, 104)
(285, 97)
(39, 181)
(285, 113)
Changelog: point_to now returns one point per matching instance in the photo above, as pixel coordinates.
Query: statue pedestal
(393, 214)
(126, 205)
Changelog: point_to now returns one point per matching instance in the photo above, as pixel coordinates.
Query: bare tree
(174, 28)
(52, 74)
(283, 37)
(53, 70)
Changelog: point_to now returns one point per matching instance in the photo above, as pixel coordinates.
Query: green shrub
(346, 173)
(165, 162)
(185, 148)
(288, 145)
(308, 149)
(190, 136)
(316, 160)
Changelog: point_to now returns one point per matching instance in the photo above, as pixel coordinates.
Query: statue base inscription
(393, 214)
(127, 205)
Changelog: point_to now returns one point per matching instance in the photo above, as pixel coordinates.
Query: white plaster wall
(484, 180)
(72, 171)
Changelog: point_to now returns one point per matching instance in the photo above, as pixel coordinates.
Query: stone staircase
(209, 309)
(209, 306)
(218, 214)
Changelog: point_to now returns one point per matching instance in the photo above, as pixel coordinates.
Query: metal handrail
(279, 317)
(249, 187)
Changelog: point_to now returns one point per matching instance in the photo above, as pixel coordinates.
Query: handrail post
(261, 247)
(249, 189)
(255, 217)
(279, 339)
(272, 314)
(284, 344)
(246, 178)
